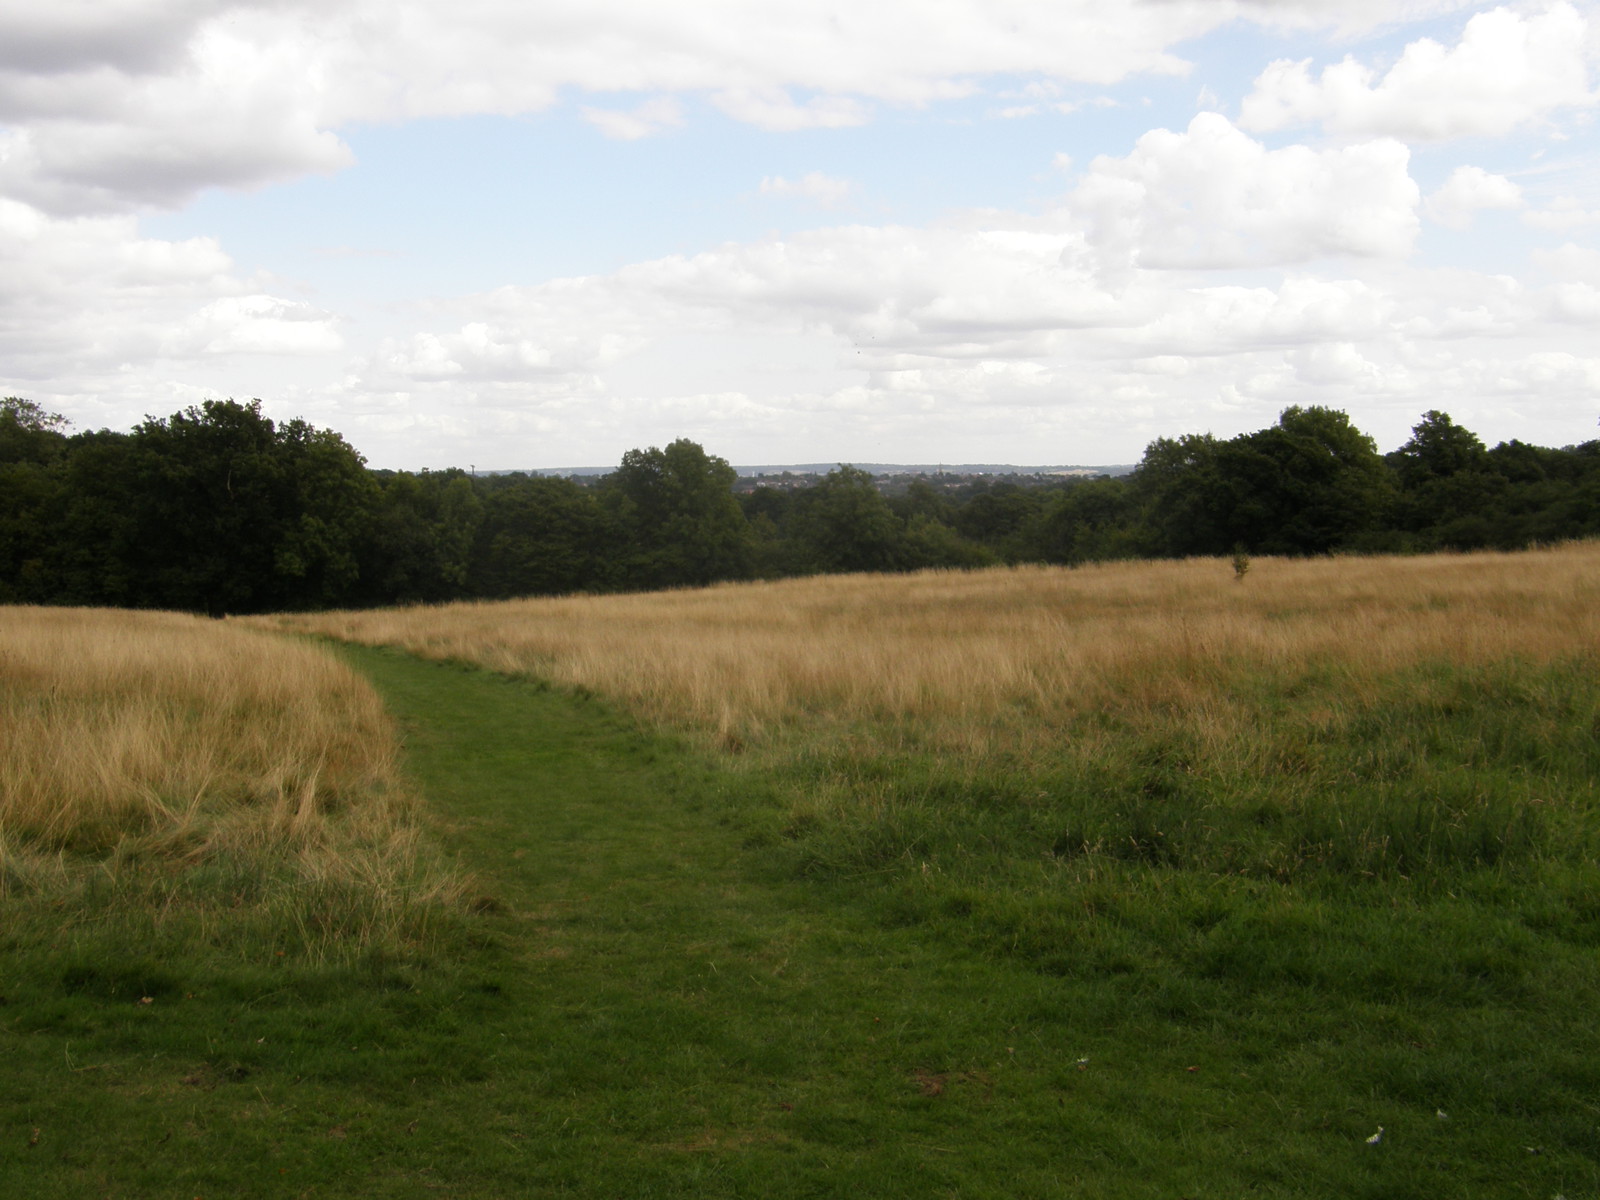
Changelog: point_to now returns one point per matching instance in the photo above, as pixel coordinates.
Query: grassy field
(1343, 719)
(164, 777)
(1339, 813)
(1135, 881)
(975, 661)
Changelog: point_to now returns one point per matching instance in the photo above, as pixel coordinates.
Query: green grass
(680, 982)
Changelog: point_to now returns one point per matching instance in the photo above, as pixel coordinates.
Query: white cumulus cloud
(89, 290)
(939, 335)
(1213, 197)
(234, 104)
(1468, 191)
(113, 105)
(776, 110)
(1201, 278)
(117, 324)
(254, 324)
(1507, 70)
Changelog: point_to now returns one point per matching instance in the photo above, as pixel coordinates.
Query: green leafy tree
(843, 523)
(1092, 521)
(33, 446)
(928, 542)
(921, 499)
(1451, 495)
(1181, 493)
(542, 537)
(769, 510)
(1438, 448)
(30, 434)
(1326, 484)
(234, 513)
(996, 514)
(680, 523)
(423, 530)
(1307, 485)
(1549, 495)
(98, 554)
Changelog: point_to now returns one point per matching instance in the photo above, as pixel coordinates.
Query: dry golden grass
(129, 739)
(1008, 659)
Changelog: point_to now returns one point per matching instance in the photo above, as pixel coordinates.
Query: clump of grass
(196, 779)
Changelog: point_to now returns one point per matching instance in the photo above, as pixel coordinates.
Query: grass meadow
(166, 777)
(1341, 720)
(1140, 880)
(1338, 813)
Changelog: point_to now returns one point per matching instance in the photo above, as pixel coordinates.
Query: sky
(534, 234)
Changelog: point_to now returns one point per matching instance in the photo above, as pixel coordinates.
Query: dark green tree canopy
(542, 537)
(32, 498)
(219, 509)
(846, 524)
(420, 541)
(28, 433)
(234, 513)
(1307, 485)
(1438, 448)
(684, 527)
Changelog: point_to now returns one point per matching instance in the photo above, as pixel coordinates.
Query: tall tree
(1090, 521)
(33, 446)
(542, 537)
(844, 524)
(28, 433)
(996, 515)
(1307, 485)
(1181, 492)
(424, 528)
(1326, 486)
(681, 523)
(1437, 449)
(1450, 491)
(238, 514)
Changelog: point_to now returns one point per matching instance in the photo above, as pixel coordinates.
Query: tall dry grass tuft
(1002, 659)
(145, 745)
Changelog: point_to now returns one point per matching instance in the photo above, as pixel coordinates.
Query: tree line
(218, 509)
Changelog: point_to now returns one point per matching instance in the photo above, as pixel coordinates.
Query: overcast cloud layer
(998, 231)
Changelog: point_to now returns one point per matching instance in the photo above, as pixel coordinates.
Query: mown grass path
(654, 1008)
(679, 1018)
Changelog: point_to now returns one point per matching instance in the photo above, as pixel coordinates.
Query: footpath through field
(649, 1003)
(675, 1017)
(675, 1013)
